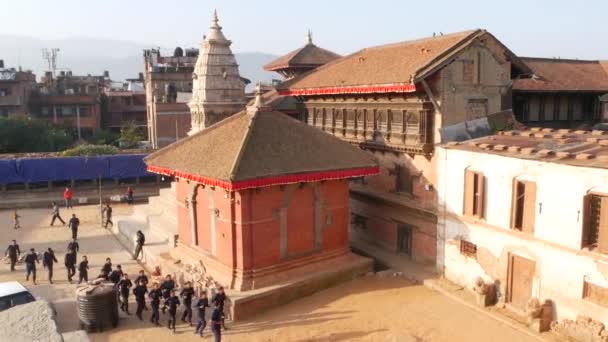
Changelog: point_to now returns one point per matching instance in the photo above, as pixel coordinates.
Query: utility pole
(50, 55)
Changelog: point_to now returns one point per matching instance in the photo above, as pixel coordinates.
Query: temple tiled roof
(309, 56)
(393, 67)
(260, 149)
(554, 75)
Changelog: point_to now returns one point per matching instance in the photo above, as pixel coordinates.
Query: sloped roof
(393, 67)
(261, 149)
(309, 56)
(556, 75)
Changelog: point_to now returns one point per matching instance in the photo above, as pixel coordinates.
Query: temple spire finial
(215, 20)
(309, 37)
(258, 104)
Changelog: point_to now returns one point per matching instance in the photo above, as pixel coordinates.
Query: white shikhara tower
(218, 90)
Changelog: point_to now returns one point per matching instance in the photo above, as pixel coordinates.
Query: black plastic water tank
(97, 307)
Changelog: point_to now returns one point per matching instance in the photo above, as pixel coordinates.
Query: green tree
(104, 137)
(21, 134)
(130, 135)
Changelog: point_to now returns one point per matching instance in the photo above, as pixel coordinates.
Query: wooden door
(520, 278)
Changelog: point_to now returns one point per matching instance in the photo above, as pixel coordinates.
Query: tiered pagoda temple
(263, 198)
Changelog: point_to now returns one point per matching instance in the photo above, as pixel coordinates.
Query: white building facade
(532, 224)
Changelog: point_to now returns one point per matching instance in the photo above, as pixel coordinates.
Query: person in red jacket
(67, 196)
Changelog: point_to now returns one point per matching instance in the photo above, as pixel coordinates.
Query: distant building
(218, 89)
(166, 80)
(15, 89)
(125, 103)
(528, 212)
(71, 101)
(562, 93)
(392, 101)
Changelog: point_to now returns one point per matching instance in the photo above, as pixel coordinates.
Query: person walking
(70, 260)
(73, 224)
(16, 217)
(187, 293)
(13, 252)
(172, 303)
(55, 213)
(129, 195)
(201, 305)
(31, 259)
(106, 269)
(116, 275)
(67, 197)
(142, 277)
(216, 322)
(165, 289)
(73, 245)
(140, 240)
(140, 291)
(83, 270)
(124, 286)
(108, 213)
(219, 299)
(155, 296)
(48, 260)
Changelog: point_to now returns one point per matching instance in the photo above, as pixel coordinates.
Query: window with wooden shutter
(468, 248)
(523, 206)
(595, 222)
(595, 293)
(474, 194)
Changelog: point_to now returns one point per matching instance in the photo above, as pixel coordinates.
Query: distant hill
(123, 59)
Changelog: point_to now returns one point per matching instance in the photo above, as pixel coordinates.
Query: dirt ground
(366, 309)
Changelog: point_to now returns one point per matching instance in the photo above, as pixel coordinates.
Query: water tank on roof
(191, 52)
(97, 307)
(178, 52)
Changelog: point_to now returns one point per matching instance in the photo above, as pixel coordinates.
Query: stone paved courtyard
(366, 309)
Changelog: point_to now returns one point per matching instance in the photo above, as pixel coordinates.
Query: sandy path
(367, 309)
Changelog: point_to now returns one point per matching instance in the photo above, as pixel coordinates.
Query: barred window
(468, 248)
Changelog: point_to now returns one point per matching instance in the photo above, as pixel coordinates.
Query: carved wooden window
(468, 71)
(468, 248)
(474, 194)
(350, 119)
(381, 121)
(595, 293)
(360, 120)
(595, 222)
(339, 118)
(523, 206)
(412, 123)
(397, 121)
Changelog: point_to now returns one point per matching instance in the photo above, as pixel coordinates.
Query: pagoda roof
(309, 56)
(263, 148)
(388, 68)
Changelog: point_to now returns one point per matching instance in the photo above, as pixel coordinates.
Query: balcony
(405, 131)
(11, 100)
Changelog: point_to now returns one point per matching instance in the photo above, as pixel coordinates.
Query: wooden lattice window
(468, 248)
(474, 194)
(595, 293)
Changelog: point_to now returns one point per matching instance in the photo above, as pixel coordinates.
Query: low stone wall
(33, 321)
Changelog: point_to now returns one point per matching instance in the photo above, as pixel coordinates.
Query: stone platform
(289, 285)
(157, 220)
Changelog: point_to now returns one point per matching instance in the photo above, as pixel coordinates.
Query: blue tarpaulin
(30, 170)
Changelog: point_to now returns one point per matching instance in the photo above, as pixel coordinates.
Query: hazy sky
(531, 28)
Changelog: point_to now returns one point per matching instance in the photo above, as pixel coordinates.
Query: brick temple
(263, 200)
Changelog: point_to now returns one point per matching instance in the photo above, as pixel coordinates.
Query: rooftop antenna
(50, 55)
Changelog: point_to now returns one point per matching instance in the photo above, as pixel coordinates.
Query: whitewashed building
(528, 210)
